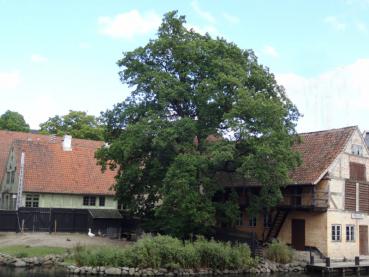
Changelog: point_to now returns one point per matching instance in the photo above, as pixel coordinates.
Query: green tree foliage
(75, 123)
(13, 121)
(200, 107)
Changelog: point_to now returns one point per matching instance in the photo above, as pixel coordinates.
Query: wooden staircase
(277, 224)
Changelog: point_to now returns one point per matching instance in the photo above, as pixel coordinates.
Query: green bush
(21, 255)
(167, 252)
(279, 252)
(222, 255)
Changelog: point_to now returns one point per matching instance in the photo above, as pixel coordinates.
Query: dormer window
(10, 177)
(357, 149)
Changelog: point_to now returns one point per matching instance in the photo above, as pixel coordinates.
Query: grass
(167, 252)
(22, 251)
(279, 252)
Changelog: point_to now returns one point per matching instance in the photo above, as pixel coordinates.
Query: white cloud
(9, 80)
(204, 14)
(130, 24)
(231, 18)
(203, 30)
(270, 51)
(336, 98)
(361, 3)
(334, 22)
(37, 58)
(360, 26)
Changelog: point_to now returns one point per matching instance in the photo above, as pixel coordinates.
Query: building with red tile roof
(57, 172)
(326, 205)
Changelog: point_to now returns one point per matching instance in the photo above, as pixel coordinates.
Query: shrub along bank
(168, 252)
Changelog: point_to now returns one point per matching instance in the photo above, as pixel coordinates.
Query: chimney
(366, 138)
(67, 143)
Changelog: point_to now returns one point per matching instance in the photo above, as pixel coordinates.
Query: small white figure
(91, 235)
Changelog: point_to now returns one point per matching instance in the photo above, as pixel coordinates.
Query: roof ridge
(46, 135)
(329, 130)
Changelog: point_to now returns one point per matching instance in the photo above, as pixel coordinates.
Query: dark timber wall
(59, 220)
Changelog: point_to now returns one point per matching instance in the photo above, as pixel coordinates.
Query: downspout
(20, 183)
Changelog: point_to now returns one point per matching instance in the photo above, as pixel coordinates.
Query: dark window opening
(350, 232)
(12, 177)
(267, 220)
(89, 200)
(102, 201)
(8, 177)
(32, 200)
(336, 232)
(296, 197)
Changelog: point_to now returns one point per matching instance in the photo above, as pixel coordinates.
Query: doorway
(298, 234)
(363, 238)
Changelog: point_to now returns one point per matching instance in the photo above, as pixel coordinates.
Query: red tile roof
(318, 150)
(50, 169)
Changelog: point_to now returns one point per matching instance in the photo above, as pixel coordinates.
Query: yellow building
(326, 207)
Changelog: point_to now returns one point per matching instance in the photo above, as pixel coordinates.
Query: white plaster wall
(337, 194)
(48, 200)
(343, 248)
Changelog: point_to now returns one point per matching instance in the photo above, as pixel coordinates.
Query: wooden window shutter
(357, 172)
(364, 198)
(350, 196)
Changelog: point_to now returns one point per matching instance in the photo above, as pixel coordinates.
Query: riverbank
(48, 261)
(153, 256)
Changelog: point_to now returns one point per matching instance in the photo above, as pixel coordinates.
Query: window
(350, 232)
(89, 200)
(32, 200)
(357, 149)
(12, 176)
(296, 197)
(86, 200)
(357, 171)
(336, 232)
(8, 177)
(350, 196)
(92, 200)
(252, 221)
(267, 220)
(102, 201)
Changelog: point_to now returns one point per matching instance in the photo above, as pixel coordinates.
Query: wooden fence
(54, 220)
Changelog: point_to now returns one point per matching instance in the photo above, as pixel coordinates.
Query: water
(34, 272)
(60, 272)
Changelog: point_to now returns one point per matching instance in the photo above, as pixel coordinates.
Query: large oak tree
(199, 107)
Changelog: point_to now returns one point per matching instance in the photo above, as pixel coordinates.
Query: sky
(57, 56)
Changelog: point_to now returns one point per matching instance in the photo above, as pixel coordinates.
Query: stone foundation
(263, 266)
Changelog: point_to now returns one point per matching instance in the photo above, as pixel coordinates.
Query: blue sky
(61, 55)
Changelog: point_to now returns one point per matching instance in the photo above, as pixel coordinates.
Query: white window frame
(357, 149)
(32, 201)
(350, 233)
(336, 232)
